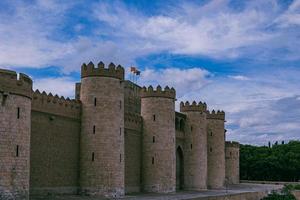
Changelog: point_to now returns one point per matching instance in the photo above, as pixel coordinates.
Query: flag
(132, 69)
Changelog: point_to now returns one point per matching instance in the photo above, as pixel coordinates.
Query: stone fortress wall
(15, 117)
(54, 151)
(232, 155)
(196, 145)
(102, 130)
(216, 149)
(159, 161)
(113, 138)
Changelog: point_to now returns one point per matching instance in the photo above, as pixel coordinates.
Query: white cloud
(183, 80)
(291, 16)
(239, 77)
(32, 34)
(62, 86)
(192, 30)
(25, 34)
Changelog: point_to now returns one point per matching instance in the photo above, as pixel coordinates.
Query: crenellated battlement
(56, 105)
(133, 121)
(232, 144)
(216, 115)
(12, 83)
(150, 92)
(88, 70)
(194, 107)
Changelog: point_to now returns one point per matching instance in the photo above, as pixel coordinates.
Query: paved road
(236, 189)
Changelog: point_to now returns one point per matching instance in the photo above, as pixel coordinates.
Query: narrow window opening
(153, 117)
(152, 160)
(230, 153)
(210, 149)
(94, 129)
(17, 151)
(191, 146)
(95, 101)
(191, 128)
(18, 113)
(210, 133)
(153, 139)
(120, 105)
(93, 157)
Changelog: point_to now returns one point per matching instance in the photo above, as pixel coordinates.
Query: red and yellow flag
(132, 69)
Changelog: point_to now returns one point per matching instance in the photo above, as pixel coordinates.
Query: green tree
(278, 163)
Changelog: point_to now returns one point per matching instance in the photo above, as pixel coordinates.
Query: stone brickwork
(215, 149)
(113, 138)
(133, 152)
(54, 151)
(55, 105)
(133, 160)
(132, 100)
(232, 158)
(55, 129)
(196, 145)
(15, 116)
(181, 150)
(102, 131)
(157, 110)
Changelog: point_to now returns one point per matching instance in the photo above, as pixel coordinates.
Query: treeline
(281, 162)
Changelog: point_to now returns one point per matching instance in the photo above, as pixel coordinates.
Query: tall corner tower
(102, 130)
(195, 145)
(159, 158)
(15, 124)
(232, 156)
(216, 149)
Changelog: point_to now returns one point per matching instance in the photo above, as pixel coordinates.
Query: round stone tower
(159, 158)
(232, 156)
(216, 149)
(15, 123)
(196, 146)
(102, 130)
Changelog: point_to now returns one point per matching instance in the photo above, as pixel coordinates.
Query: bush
(277, 163)
(277, 196)
(284, 194)
(297, 187)
(290, 187)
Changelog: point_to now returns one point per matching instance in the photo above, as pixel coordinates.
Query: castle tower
(196, 146)
(15, 116)
(232, 156)
(158, 112)
(216, 150)
(102, 130)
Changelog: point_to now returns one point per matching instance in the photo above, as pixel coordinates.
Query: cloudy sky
(239, 56)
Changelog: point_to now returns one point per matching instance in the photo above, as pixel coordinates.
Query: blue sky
(239, 56)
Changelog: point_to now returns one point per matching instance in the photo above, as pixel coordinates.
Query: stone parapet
(150, 92)
(133, 121)
(56, 105)
(194, 107)
(220, 115)
(232, 144)
(12, 83)
(90, 70)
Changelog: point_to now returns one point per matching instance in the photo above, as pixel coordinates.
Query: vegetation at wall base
(284, 194)
(278, 196)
